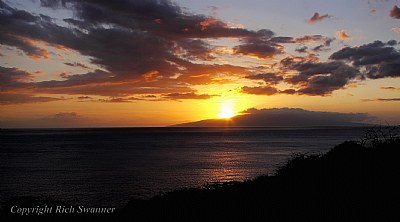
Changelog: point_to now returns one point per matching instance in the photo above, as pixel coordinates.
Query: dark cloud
(288, 91)
(260, 90)
(97, 76)
(281, 39)
(76, 64)
(374, 60)
(11, 78)
(395, 12)
(155, 47)
(288, 117)
(12, 25)
(195, 49)
(52, 3)
(389, 99)
(11, 99)
(263, 45)
(26, 45)
(129, 40)
(317, 78)
(317, 18)
(379, 59)
(269, 78)
(320, 48)
(302, 49)
(324, 41)
(259, 50)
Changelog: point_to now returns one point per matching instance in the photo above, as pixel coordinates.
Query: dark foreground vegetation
(355, 181)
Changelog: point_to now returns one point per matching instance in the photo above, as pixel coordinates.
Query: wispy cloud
(192, 95)
(342, 35)
(382, 100)
(318, 18)
(12, 99)
(396, 29)
(390, 88)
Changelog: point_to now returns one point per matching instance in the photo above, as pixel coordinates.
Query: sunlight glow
(226, 110)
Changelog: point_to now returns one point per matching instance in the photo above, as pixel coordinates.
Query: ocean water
(110, 166)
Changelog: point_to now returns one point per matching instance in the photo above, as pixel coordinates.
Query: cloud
(391, 88)
(389, 99)
(29, 46)
(261, 51)
(165, 51)
(11, 78)
(98, 76)
(350, 64)
(378, 59)
(76, 64)
(311, 38)
(269, 78)
(382, 100)
(152, 37)
(395, 12)
(261, 46)
(84, 97)
(192, 95)
(302, 49)
(12, 99)
(319, 78)
(260, 90)
(342, 35)
(317, 18)
(325, 42)
(120, 100)
(288, 117)
(396, 29)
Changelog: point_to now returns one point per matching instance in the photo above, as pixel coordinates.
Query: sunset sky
(93, 63)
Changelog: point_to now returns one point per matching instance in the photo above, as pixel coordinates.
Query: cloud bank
(139, 49)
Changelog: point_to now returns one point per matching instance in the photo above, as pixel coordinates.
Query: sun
(226, 113)
(226, 110)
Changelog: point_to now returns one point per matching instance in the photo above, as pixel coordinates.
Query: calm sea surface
(108, 167)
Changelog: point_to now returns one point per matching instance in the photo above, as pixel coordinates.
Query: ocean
(110, 166)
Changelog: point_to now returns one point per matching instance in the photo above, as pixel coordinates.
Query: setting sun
(226, 113)
(226, 110)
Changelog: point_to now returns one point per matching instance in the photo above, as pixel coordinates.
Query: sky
(69, 63)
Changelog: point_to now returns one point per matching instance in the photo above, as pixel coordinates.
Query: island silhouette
(294, 117)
